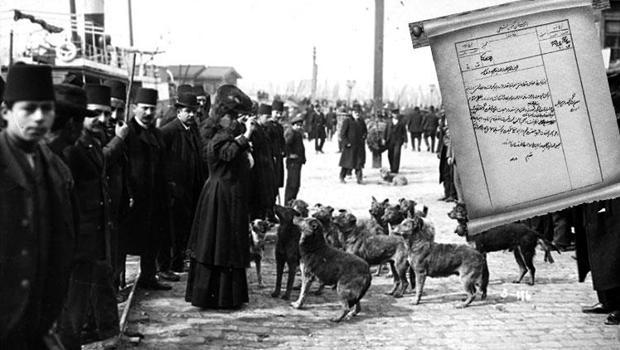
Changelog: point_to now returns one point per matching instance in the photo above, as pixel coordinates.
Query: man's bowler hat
(188, 100)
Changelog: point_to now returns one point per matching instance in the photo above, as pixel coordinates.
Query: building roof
(218, 72)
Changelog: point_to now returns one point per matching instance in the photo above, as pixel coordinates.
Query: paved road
(544, 316)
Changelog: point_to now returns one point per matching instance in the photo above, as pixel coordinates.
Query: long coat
(353, 133)
(88, 166)
(395, 135)
(263, 188)
(414, 124)
(275, 131)
(147, 220)
(319, 123)
(598, 244)
(220, 231)
(183, 162)
(19, 250)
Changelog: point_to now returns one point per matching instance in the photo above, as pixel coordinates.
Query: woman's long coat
(353, 133)
(219, 235)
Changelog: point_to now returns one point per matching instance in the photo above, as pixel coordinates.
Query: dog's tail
(547, 246)
(368, 281)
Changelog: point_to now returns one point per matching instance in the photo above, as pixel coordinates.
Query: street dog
(393, 179)
(333, 236)
(377, 209)
(299, 205)
(349, 273)
(429, 259)
(407, 206)
(287, 249)
(375, 249)
(258, 230)
(516, 237)
(395, 214)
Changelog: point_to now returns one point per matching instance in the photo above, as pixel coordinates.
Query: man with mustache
(91, 288)
(36, 217)
(146, 221)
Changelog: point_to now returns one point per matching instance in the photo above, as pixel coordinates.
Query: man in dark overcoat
(414, 125)
(91, 289)
(263, 188)
(146, 220)
(275, 131)
(598, 245)
(318, 129)
(185, 177)
(353, 134)
(395, 136)
(37, 223)
(430, 123)
(295, 158)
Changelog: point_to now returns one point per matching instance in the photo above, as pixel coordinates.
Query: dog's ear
(374, 200)
(329, 209)
(386, 201)
(295, 212)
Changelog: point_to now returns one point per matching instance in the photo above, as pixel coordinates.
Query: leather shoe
(169, 276)
(153, 285)
(613, 318)
(595, 309)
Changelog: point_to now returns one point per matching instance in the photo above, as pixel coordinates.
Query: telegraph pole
(315, 70)
(378, 79)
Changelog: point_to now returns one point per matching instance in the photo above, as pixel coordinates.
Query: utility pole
(378, 79)
(315, 72)
(130, 24)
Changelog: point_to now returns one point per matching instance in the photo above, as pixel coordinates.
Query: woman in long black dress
(218, 244)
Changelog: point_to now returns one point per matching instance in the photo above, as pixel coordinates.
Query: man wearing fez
(146, 220)
(275, 131)
(37, 225)
(295, 157)
(116, 130)
(395, 135)
(185, 178)
(353, 133)
(91, 290)
(263, 189)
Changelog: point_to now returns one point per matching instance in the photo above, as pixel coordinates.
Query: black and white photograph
(309, 174)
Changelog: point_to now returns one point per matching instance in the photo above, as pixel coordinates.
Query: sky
(270, 42)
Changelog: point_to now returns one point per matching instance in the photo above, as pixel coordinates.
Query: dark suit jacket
(19, 250)
(395, 135)
(294, 146)
(185, 173)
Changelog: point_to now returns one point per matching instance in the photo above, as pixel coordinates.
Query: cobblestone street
(544, 316)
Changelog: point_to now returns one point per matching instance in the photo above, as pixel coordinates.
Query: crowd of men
(84, 182)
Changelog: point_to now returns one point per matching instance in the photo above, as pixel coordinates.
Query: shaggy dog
(375, 249)
(299, 205)
(350, 274)
(442, 260)
(258, 230)
(393, 179)
(516, 237)
(287, 249)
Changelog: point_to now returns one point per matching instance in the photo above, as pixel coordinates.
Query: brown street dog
(258, 230)
(377, 209)
(407, 206)
(429, 259)
(349, 273)
(516, 237)
(301, 206)
(333, 236)
(375, 249)
(287, 249)
(395, 214)
(393, 179)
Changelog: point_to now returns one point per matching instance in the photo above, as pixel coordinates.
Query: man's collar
(186, 127)
(140, 123)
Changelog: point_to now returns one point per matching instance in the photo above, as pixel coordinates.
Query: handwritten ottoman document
(529, 108)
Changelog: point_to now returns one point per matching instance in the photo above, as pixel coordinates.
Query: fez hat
(198, 90)
(29, 82)
(230, 99)
(146, 96)
(278, 106)
(118, 89)
(184, 89)
(187, 100)
(264, 109)
(297, 119)
(71, 102)
(98, 96)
